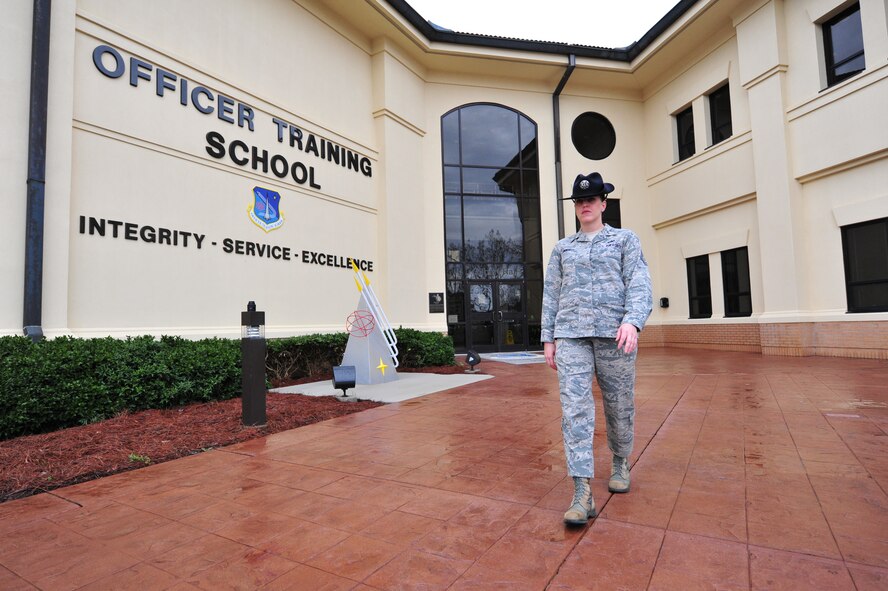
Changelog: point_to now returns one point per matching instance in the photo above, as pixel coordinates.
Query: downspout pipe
(34, 227)
(556, 116)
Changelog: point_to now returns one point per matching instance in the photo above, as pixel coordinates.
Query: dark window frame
(832, 78)
(686, 148)
(720, 129)
(734, 299)
(704, 300)
(527, 166)
(851, 285)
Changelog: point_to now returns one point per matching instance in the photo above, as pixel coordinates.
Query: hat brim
(607, 189)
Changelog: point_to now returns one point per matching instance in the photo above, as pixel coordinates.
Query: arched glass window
(493, 248)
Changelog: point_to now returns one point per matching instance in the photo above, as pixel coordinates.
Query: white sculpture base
(370, 355)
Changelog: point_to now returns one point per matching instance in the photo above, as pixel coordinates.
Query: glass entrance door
(492, 228)
(497, 317)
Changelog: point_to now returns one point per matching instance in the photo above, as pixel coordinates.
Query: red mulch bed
(37, 463)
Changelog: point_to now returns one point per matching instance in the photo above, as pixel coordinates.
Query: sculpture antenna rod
(369, 296)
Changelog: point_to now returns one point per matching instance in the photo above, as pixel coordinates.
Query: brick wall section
(790, 339)
(864, 340)
(859, 335)
(652, 336)
(722, 337)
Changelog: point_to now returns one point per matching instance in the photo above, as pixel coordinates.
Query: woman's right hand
(549, 352)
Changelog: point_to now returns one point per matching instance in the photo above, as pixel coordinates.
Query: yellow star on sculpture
(381, 367)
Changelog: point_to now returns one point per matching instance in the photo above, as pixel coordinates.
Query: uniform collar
(581, 236)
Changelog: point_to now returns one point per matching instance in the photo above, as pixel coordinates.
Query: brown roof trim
(622, 54)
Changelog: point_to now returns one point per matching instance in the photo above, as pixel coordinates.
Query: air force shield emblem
(265, 211)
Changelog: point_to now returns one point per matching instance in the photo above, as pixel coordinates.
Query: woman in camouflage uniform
(596, 299)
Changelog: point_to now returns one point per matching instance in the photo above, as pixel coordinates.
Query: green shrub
(423, 349)
(66, 381)
(297, 357)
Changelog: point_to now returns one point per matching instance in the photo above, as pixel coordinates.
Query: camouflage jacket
(592, 287)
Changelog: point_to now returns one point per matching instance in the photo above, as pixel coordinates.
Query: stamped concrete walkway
(750, 472)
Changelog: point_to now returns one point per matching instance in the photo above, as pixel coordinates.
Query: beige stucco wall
(729, 227)
(399, 113)
(15, 44)
(143, 159)
(14, 164)
(856, 195)
(802, 161)
(690, 213)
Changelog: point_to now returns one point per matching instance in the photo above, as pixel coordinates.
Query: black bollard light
(253, 367)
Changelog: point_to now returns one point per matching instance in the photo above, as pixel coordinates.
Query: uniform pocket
(569, 263)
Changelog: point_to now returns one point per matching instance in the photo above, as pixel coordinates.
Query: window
(593, 136)
(865, 246)
(720, 114)
(699, 289)
(684, 123)
(492, 228)
(735, 276)
(843, 45)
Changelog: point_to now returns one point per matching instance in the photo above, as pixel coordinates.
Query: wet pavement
(749, 472)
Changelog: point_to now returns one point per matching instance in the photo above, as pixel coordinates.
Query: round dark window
(593, 136)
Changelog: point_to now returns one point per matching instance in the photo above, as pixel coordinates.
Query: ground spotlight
(344, 378)
(473, 359)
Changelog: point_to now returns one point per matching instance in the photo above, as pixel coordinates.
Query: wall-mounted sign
(302, 144)
(266, 209)
(436, 302)
(151, 234)
(298, 150)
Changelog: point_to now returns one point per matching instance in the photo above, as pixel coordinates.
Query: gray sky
(603, 23)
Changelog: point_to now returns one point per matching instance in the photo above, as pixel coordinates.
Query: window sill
(712, 151)
(718, 143)
(843, 80)
(830, 94)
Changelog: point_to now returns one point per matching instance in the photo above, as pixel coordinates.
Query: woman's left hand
(627, 338)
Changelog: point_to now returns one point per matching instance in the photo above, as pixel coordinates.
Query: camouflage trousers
(577, 360)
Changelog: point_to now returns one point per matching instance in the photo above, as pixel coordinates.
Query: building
(747, 139)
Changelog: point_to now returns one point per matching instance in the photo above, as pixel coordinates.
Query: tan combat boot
(619, 480)
(582, 508)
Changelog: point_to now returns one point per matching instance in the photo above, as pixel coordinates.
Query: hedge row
(66, 381)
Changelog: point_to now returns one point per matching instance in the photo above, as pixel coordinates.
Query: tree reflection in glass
(492, 220)
(482, 298)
